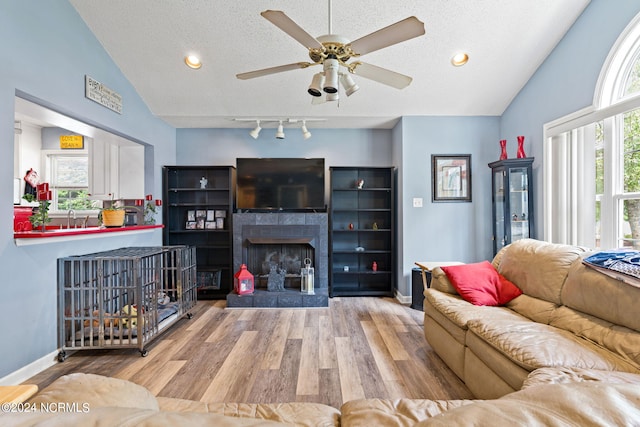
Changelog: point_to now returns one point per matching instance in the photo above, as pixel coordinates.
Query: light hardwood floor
(359, 347)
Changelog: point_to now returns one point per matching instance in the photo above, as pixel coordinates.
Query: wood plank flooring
(359, 347)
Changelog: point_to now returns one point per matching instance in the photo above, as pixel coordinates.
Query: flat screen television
(290, 184)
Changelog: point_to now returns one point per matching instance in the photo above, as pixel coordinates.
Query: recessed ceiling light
(192, 61)
(459, 59)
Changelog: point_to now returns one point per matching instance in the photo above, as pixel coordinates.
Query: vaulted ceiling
(148, 39)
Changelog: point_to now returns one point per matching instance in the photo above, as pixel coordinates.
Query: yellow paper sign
(71, 141)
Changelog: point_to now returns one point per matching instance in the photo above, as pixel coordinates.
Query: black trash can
(417, 288)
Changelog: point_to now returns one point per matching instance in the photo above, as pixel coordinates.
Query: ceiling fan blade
(381, 75)
(395, 33)
(272, 70)
(286, 24)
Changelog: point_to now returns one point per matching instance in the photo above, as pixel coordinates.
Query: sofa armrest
(440, 282)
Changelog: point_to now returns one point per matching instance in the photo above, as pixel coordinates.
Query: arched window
(592, 159)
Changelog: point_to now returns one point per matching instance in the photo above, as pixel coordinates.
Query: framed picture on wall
(451, 177)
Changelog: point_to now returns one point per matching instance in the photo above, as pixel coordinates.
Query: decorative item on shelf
(150, 209)
(203, 182)
(345, 268)
(243, 281)
(360, 184)
(374, 266)
(521, 154)
(503, 149)
(351, 226)
(515, 217)
(523, 216)
(359, 249)
(307, 275)
(375, 226)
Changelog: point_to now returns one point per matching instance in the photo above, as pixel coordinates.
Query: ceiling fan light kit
(349, 85)
(333, 52)
(315, 88)
(330, 75)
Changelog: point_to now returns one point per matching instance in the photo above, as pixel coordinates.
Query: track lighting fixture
(256, 132)
(305, 132)
(280, 132)
(281, 123)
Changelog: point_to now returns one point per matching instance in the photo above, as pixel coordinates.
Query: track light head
(330, 75)
(255, 132)
(305, 132)
(280, 132)
(315, 88)
(349, 85)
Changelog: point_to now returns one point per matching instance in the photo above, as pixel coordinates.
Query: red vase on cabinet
(521, 154)
(503, 149)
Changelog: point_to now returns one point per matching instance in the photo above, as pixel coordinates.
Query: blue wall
(459, 231)
(62, 50)
(424, 235)
(565, 82)
(46, 51)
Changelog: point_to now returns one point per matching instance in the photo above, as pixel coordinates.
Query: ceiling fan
(334, 52)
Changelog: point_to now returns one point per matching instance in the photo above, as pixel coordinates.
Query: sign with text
(96, 91)
(71, 142)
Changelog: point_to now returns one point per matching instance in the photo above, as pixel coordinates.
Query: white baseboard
(31, 369)
(402, 299)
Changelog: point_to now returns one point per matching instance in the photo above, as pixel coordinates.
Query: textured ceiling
(506, 40)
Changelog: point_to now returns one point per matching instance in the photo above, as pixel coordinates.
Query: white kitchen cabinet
(116, 169)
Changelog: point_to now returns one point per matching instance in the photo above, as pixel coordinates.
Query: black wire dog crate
(123, 298)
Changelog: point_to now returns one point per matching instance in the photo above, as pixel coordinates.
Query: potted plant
(113, 215)
(40, 213)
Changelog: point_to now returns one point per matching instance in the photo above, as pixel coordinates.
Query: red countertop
(53, 231)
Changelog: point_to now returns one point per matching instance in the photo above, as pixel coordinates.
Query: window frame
(47, 161)
(609, 106)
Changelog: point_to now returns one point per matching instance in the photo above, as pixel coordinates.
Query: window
(69, 180)
(592, 159)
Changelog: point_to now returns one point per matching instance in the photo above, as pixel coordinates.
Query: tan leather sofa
(576, 398)
(569, 316)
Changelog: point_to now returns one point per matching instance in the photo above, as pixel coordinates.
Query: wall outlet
(417, 202)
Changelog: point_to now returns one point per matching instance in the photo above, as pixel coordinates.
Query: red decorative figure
(521, 154)
(374, 266)
(503, 149)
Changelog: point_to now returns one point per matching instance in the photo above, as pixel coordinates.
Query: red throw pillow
(481, 284)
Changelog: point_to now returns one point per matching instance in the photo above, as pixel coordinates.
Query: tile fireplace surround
(281, 227)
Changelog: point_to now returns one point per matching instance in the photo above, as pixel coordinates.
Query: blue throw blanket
(623, 261)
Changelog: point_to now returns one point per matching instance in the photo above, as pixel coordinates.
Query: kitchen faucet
(71, 211)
